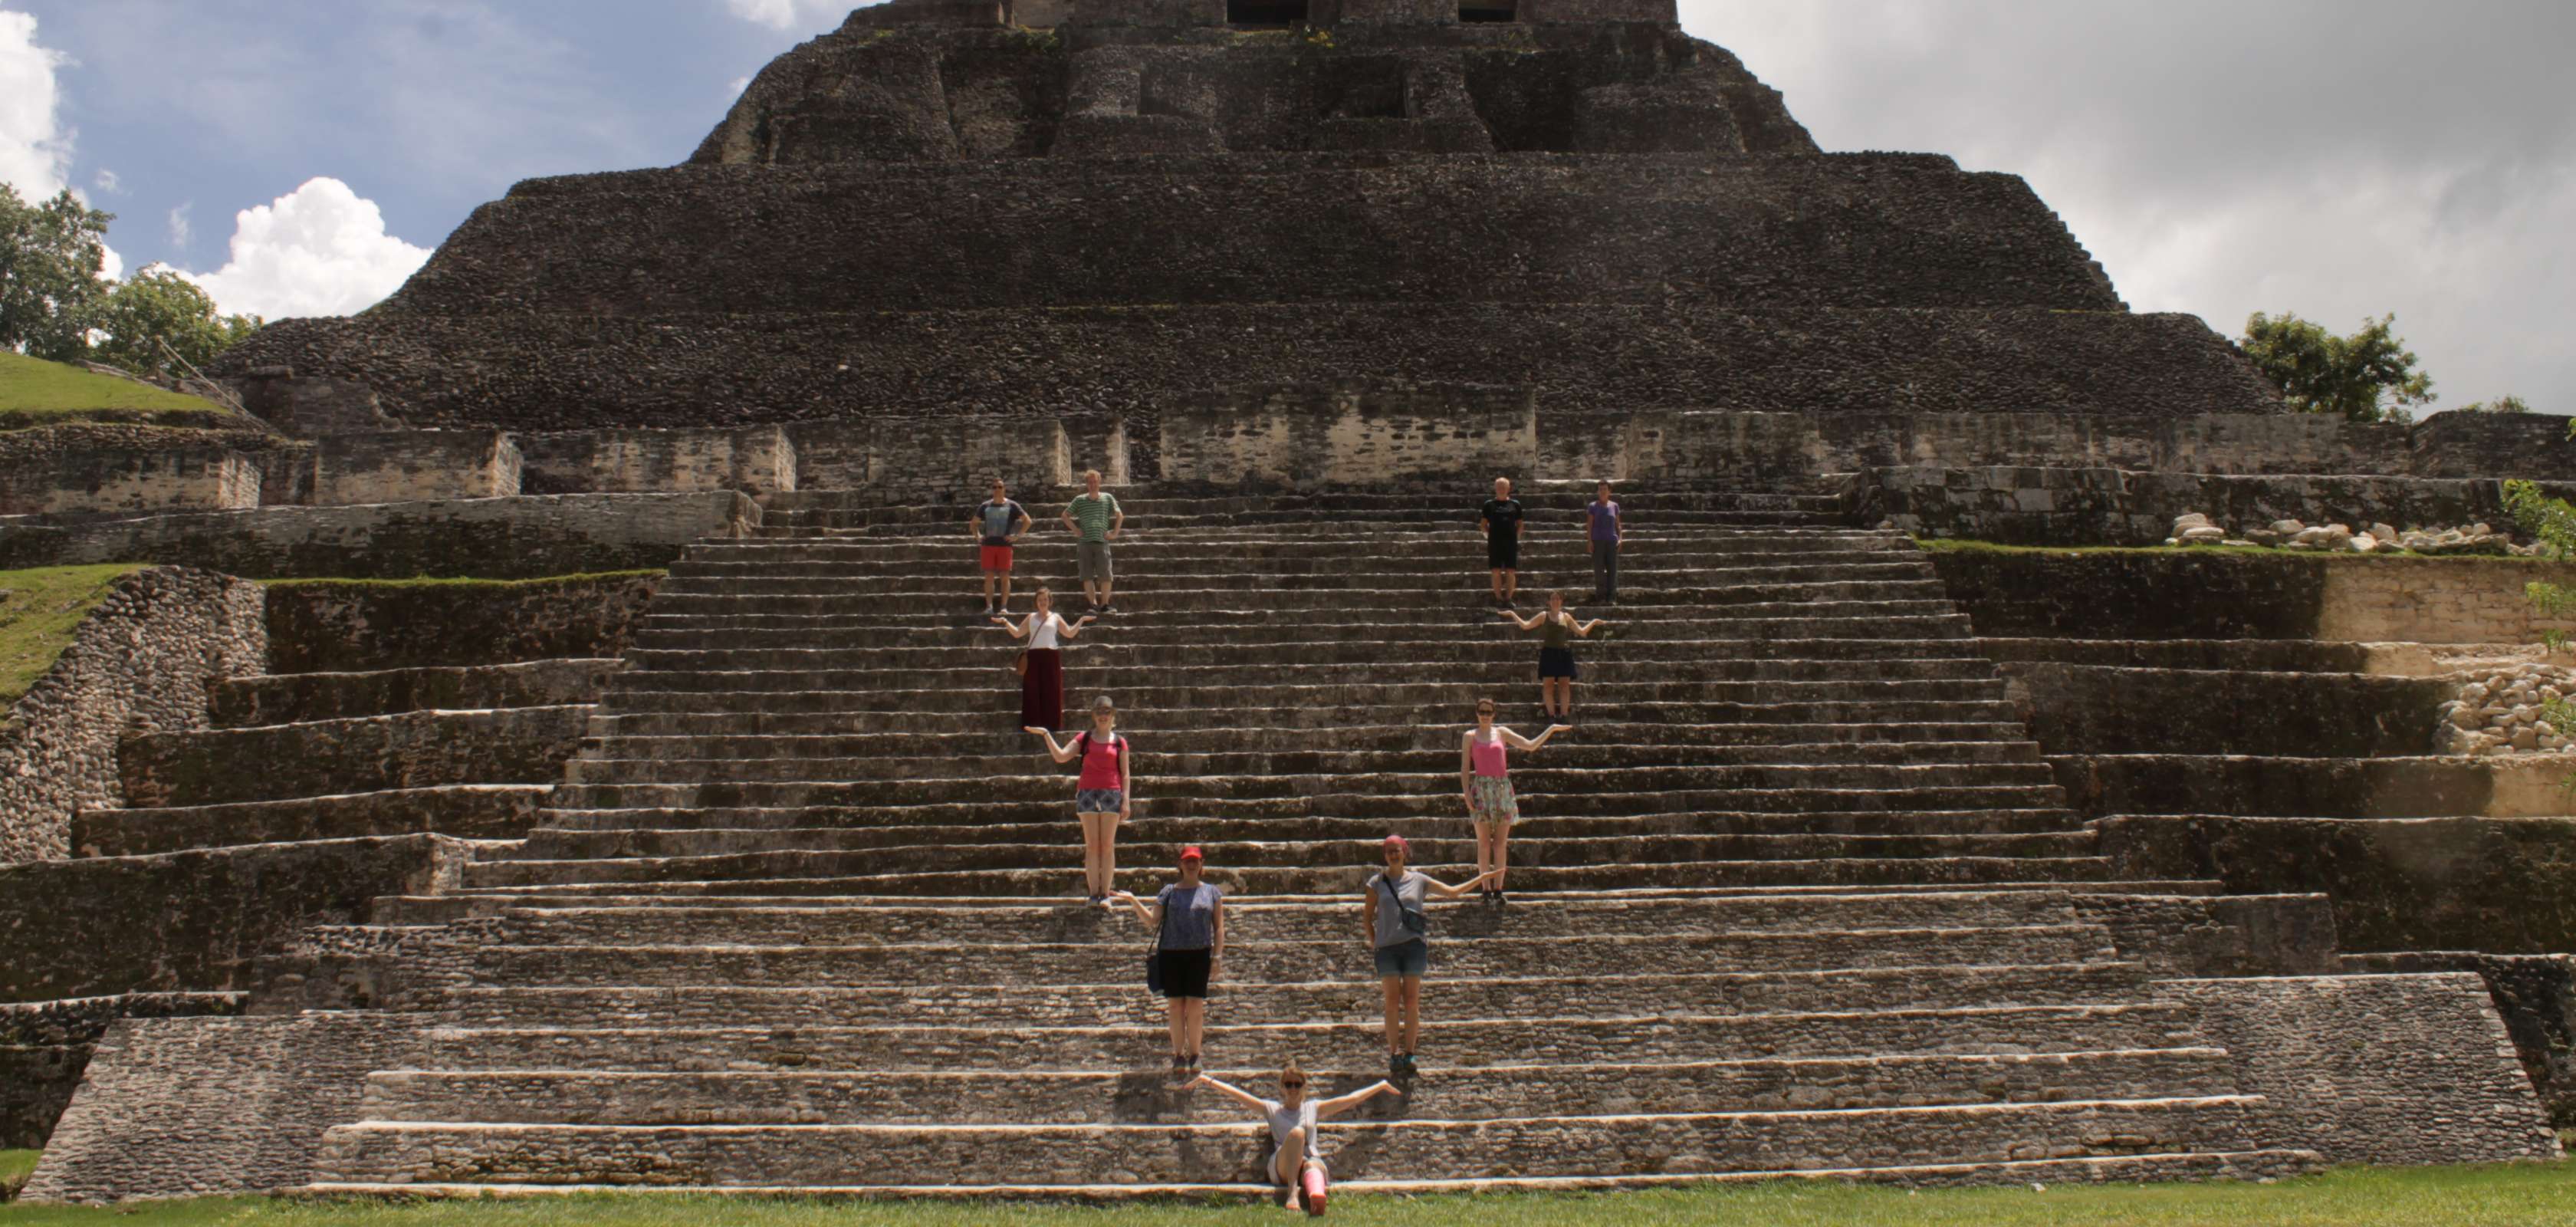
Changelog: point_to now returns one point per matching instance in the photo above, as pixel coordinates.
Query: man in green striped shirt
(1096, 517)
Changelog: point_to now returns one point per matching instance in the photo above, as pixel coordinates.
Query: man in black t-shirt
(1500, 518)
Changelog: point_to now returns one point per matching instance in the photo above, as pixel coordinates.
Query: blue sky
(2333, 157)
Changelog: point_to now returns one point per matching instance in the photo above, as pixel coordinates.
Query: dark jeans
(1605, 569)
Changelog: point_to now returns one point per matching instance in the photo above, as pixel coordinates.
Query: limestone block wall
(757, 460)
(2434, 1036)
(327, 626)
(193, 479)
(45, 1045)
(2535, 994)
(1350, 435)
(418, 749)
(141, 661)
(956, 454)
(415, 466)
(2046, 506)
(2099, 709)
(493, 538)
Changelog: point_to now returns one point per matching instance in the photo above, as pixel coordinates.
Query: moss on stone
(39, 610)
(33, 391)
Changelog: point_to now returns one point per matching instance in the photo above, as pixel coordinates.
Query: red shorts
(997, 558)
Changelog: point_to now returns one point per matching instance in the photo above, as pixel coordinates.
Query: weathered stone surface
(1350, 435)
(420, 749)
(2421, 1081)
(192, 921)
(2502, 885)
(45, 1045)
(755, 461)
(492, 538)
(2085, 507)
(2536, 997)
(301, 697)
(467, 811)
(326, 626)
(2093, 709)
(129, 481)
(416, 467)
(142, 660)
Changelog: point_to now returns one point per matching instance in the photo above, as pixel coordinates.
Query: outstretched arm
(1344, 1103)
(1585, 629)
(1129, 898)
(1019, 630)
(1070, 630)
(1446, 891)
(1246, 1098)
(1518, 742)
(1529, 623)
(1060, 753)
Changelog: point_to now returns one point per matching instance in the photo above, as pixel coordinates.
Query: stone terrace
(1799, 894)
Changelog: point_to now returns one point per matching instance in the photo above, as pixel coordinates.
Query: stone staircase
(1797, 895)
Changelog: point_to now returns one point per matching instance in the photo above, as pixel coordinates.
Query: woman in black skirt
(1188, 919)
(1042, 682)
(1557, 630)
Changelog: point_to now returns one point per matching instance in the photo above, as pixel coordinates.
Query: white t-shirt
(1282, 1119)
(1043, 635)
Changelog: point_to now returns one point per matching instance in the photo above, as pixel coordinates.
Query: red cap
(1192, 853)
(1397, 841)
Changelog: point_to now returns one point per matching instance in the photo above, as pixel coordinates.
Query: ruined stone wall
(2091, 709)
(950, 454)
(2536, 996)
(141, 660)
(2084, 507)
(130, 481)
(332, 627)
(488, 538)
(1320, 436)
(565, 371)
(2435, 1036)
(415, 466)
(2204, 594)
(755, 461)
(44, 1046)
(419, 749)
(194, 921)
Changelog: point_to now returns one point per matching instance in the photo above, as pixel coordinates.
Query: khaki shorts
(1094, 558)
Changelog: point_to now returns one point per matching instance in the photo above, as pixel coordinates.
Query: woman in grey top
(1296, 1157)
(1188, 920)
(1392, 907)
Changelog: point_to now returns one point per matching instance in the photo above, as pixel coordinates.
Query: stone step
(1270, 846)
(1039, 967)
(247, 702)
(839, 924)
(794, 523)
(1152, 501)
(1222, 563)
(846, 689)
(1138, 642)
(1666, 791)
(385, 1152)
(468, 811)
(2202, 1167)
(1260, 821)
(1718, 587)
(944, 1026)
(744, 729)
(855, 873)
(1467, 618)
(1209, 664)
(1289, 775)
(857, 712)
(1465, 600)
(1145, 1095)
(425, 749)
(1638, 767)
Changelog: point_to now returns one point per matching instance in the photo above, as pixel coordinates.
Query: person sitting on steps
(1558, 630)
(1103, 796)
(1095, 520)
(1188, 921)
(1500, 520)
(996, 525)
(1399, 935)
(1296, 1155)
(1484, 777)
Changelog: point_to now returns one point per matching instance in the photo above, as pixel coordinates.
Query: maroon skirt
(1042, 691)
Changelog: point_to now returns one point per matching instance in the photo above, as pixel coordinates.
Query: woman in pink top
(1103, 797)
(1484, 778)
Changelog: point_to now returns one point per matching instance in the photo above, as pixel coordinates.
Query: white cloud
(735, 89)
(108, 182)
(182, 229)
(35, 149)
(790, 14)
(111, 265)
(318, 250)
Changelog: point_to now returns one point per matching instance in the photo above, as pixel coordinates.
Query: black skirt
(1185, 972)
(1556, 663)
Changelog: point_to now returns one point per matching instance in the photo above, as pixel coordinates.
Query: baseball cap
(1192, 853)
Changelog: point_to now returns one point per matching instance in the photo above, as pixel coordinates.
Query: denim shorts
(1098, 801)
(1404, 958)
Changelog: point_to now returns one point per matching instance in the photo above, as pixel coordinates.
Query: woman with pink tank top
(1484, 778)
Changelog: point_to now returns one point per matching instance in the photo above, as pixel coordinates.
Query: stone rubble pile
(2194, 528)
(2502, 713)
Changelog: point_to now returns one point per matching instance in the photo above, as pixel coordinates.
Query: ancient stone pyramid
(938, 209)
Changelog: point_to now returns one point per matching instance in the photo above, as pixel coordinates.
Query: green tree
(50, 259)
(156, 307)
(2501, 404)
(2369, 376)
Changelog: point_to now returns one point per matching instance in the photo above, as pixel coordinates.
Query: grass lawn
(38, 615)
(2518, 1196)
(48, 389)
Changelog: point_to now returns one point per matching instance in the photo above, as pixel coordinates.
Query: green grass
(587, 577)
(14, 1168)
(51, 390)
(2517, 1196)
(38, 615)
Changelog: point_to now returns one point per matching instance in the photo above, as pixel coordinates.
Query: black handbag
(1411, 918)
(1154, 957)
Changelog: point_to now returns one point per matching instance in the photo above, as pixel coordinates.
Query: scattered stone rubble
(2194, 528)
(2503, 713)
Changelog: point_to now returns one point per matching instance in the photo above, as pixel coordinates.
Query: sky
(2336, 158)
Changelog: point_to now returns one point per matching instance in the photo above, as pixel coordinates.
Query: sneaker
(1395, 1063)
(1107, 609)
(1500, 899)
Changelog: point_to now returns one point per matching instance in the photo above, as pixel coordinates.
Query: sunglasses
(1293, 1086)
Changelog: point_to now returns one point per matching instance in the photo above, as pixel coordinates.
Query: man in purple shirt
(1605, 544)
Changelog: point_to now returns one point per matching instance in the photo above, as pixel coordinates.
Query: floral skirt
(1490, 799)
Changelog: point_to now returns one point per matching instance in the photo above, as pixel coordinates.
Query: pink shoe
(1313, 1181)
